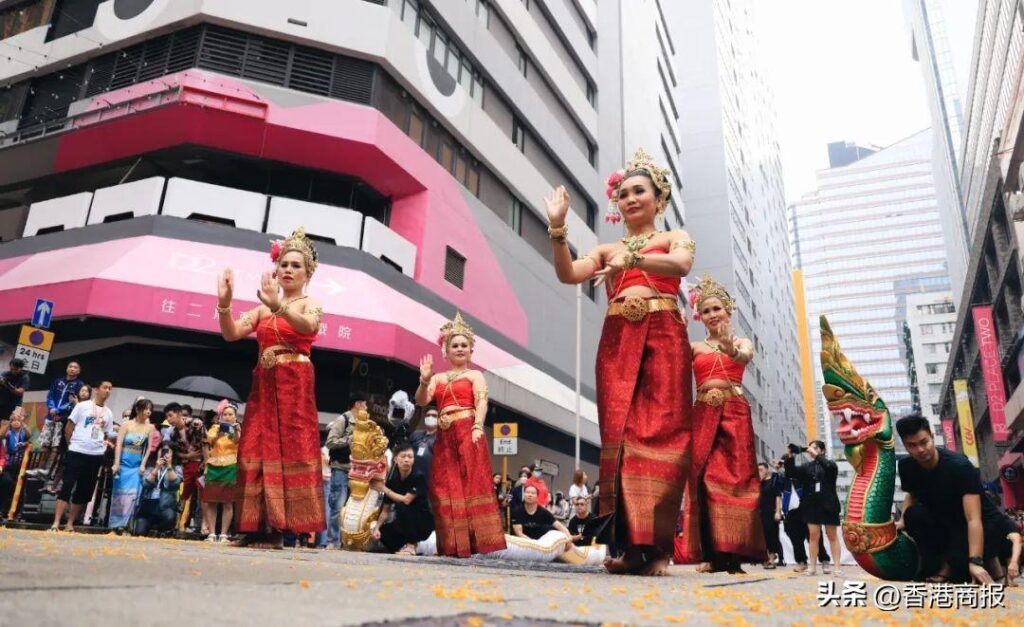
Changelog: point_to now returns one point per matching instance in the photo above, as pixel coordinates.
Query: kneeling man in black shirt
(946, 512)
(533, 521)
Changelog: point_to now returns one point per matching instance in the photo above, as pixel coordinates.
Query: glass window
(515, 215)
(440, 46)
(415, 130)
(518, 134)
(425, 30)
(460, 167)
(478, 89)
(447, 155)
(473, 180)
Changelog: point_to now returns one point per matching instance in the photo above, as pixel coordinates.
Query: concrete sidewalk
(85, 580)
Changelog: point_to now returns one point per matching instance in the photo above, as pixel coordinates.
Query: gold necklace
(636, 243)
(452, 375)
(717, 349)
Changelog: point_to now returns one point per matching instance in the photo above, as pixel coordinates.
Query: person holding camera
(13, 384)
(339, 449)
(158, 509)
(820, 502)
(221, 471)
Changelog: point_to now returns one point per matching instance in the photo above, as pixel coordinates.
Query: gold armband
(687, 244)
(480, 396)
(317, 313)
(224, 311)
(246, 319)
(589, 258)
(558, 233)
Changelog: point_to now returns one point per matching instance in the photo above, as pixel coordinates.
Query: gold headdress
(709, 288)
(299, 242)
(456, 326)
(642, 163)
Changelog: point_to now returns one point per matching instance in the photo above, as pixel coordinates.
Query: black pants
(8, 481)
(771, 536)
(152, 518)
(936, 534)
(796, 529)
(80, 472)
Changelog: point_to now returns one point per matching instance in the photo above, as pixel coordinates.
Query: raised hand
(426, 367)
(268, 291)
(225, 287)
(726, 339)
(558, 206)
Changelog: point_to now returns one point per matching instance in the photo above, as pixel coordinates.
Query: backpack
(342, 455)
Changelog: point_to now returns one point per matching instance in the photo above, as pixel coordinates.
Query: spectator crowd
(176, 472)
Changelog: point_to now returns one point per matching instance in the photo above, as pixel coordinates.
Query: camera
(227, 427)
(796, 449)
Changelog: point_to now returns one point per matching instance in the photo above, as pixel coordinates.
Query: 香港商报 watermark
(890, 597)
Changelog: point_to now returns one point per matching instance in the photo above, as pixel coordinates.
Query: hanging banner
(966, 419)
(992, 372)
(948, 435)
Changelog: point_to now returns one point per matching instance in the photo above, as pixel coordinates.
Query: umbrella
(205, 387)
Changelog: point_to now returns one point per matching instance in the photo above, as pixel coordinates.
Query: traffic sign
(36, 338)
(42, 313)
(506, 446)
(506, 430)
(506, 438)
(35, 359)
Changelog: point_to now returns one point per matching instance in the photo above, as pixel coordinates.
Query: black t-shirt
(577, 527)
(416, 484)
(942, 488)
(8, 399)
(770, 488)
(536, 525)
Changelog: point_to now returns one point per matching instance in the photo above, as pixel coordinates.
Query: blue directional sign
(42, 313)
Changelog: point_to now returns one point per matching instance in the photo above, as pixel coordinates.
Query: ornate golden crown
(456, 326)
(641, 163)
(710, 288)
(298, 241)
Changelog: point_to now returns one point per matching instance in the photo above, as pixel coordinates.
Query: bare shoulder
(476, 376)
(310, 303)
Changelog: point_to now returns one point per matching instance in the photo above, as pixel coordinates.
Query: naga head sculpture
(859, 412)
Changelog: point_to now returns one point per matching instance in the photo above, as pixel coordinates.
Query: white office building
(735, 203)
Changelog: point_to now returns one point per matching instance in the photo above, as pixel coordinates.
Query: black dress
(819, 503)
(413, 522)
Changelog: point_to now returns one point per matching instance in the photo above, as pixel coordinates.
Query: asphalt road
(85, 580)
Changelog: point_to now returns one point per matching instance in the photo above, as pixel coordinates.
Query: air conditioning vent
(454, 267)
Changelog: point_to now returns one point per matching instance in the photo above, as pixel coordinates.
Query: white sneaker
(826, 568)
(810, 572)
(212, 538)
(223, 539)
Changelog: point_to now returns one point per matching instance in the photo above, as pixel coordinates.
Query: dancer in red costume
(643, 363)
(461, 493)
(721, 526)
(279, 461)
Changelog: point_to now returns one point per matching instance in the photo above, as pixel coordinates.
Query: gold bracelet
(280, 310)
(224, 311)
(632, 259)
(477, 427)
(425, 383)
(558, 233)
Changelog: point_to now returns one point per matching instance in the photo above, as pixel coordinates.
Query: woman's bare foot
(705, 567)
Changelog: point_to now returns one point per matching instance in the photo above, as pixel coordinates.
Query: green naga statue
(866, 430)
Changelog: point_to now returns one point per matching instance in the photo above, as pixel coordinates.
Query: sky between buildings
(843, 71)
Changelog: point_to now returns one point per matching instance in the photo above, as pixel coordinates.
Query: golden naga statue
(368, 463)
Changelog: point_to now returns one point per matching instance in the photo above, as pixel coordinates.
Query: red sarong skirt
(644, 404)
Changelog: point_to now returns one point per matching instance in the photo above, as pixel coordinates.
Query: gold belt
(636, 308)
(716, 397)
(445, 421)
(274, 355)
